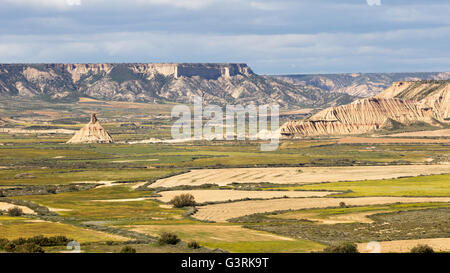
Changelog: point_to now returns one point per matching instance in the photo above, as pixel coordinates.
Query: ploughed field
(302, 197)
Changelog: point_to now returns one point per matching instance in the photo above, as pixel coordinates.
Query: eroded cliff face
(158, 82)
(361, 84)
(404, 103)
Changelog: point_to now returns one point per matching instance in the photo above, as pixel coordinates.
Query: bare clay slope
(402, 104)
(217, 83)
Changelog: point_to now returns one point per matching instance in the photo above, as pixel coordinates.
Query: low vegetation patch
(422, 249)
(128, 249)
(168, 238)
(183, 200)
(346, 247)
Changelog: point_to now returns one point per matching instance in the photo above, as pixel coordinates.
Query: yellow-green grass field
(67, 176)
(16, 227)
(432, 185)
(88, 205)
(233, 238)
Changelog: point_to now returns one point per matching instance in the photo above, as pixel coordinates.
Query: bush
(3, 243)
(342, 205)
(422, 249)
(183, 200)
(10, 247)
(342, 248)
(168, 238)
(128, 249)
(193, 245)
(15, 211)
(49, 241)
(29, 248)
(19, 241)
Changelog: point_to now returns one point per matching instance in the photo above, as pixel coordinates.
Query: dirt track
(226, 211)
(297, 175)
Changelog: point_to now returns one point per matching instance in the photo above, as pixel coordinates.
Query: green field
(41, 169)
(433, 185)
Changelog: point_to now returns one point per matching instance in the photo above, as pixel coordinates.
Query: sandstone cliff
(403, 103)
(165, 82)
(360, 84)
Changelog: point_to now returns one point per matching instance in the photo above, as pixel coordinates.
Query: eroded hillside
(403, 104)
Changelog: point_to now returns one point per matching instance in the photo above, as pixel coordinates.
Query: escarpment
(217, 83)
(404, 103)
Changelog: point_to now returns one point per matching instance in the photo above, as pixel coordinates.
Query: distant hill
(160, 83)
(403, 106)
(360, 84)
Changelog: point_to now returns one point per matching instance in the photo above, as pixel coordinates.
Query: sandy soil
(6, 206)
(23, 131)
(103, 183)
(385, 140)
(297, 175)
(123, 200)
(202, 196)
(223, 212)
(210, 232)
(437, 133)
(438, 244)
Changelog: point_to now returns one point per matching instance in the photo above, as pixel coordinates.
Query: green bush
(28, 248)
(128, 249)
(19, 241)
(10, 247)
(49, 241)
(422, 249)
(183, 200)
(193, 245)
(342, 248)
(168, 238)
(3, 243)
(15, 211)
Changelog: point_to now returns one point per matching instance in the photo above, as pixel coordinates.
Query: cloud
(284, 36)
(284, 53)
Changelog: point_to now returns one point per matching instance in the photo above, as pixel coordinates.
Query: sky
(272, 37)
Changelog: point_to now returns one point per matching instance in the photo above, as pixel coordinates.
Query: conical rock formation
(92, 132)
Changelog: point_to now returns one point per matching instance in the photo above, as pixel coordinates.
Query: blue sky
(273, 37)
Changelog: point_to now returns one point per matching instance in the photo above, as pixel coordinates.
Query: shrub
(183, 200)
(15, 211)
(10, 247)
(3, 243)
(422, 249)
(128, 249)
(193, 245)
(19, 241)
(49, 241)
(342, 248)
(29, 248)
(342, 205)
(168, 238)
